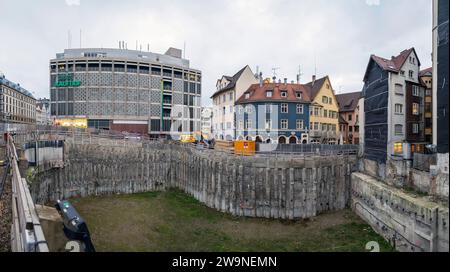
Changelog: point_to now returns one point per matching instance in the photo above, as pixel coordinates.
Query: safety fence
(26, 231)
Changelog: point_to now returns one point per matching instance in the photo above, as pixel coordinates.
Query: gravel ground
(5, 210)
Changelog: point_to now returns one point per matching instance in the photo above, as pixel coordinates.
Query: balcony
(315, 133)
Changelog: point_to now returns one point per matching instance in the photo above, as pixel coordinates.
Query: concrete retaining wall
(410, 222)
(293, 187)
(400, 174)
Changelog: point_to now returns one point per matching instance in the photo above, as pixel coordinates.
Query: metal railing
(26, 231)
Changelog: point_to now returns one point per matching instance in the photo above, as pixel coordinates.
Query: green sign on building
(66, 80)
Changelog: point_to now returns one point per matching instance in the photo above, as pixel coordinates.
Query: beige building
(324, 112)
(229, 89)
(17, 105)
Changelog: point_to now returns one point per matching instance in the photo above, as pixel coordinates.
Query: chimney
(285, 81)
(274, 79)
(260, 79)
(313, 79)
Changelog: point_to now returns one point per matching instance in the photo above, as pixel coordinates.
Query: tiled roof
(395, 63)
(425, 71)
(258, 93)
(232, 83)
(348, 101)
(315, 86)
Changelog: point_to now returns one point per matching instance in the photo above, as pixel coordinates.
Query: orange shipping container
(247, 148)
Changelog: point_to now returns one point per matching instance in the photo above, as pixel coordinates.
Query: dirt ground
(173, 221)
(5, 210)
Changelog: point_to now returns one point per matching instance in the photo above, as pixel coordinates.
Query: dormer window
(283, 94)
(269, 94)
(298, 95)
(247, 95)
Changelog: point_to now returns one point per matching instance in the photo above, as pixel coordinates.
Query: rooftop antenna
(148, 47)
(299, 75)
(315, 64)
(275, 71)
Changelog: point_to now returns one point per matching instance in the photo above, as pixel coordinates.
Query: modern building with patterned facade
(126, 90)
(17, 105)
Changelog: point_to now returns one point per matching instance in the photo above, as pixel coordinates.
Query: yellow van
(187, 138)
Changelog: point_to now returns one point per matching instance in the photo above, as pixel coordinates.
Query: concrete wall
(410, 222)
(245, 186)
(400, 174)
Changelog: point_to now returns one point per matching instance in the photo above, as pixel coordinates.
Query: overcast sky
(221, 36)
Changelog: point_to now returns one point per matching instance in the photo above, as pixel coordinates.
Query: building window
(325, 113)
(268, 108)
(398, 130)
(324, 127)
(415, 90)
(283, 94)
(411, 73)
(350, 129)
(299, 108)
(269, 94)
(415, 108)
(241, 124)
(299, 124)
(284, 108)
(399, 108)
(247, 95)
(298, 95)
(228, 125)
(268, 124)
(399, 89)
(248, 124)
(402, 73)
(324, 99)
(316, 111)
(249, 109)
(398, 148)
(349, 117)
(284, 124)
(415, 128)
(231, 96)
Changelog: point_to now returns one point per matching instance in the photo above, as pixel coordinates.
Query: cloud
(223, 36)
(373, 2)
(73, 2)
